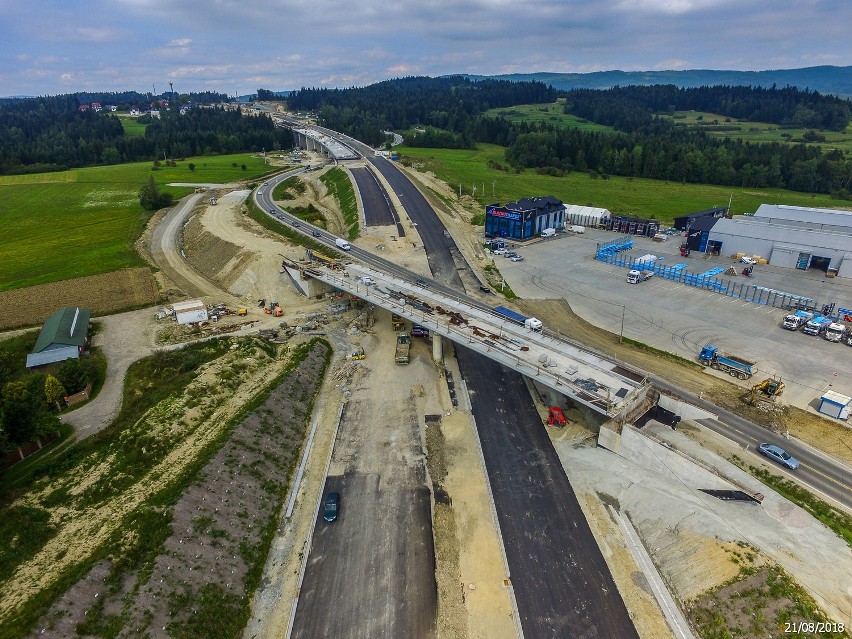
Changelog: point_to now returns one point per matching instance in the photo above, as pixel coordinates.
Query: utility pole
(621, 334)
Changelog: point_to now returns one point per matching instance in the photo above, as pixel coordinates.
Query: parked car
(748, 260)
(500, 251)
(419, 331)
(421, 282)
(517, 258)
(780, 455)
(332, 505)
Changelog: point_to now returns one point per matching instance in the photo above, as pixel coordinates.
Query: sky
(237, 46)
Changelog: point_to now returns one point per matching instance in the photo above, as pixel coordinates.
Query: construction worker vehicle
(357, 353)
(397, 323)
(555, 417)
(736, 366)
(403, 345)
(795, 321)
(771, 387)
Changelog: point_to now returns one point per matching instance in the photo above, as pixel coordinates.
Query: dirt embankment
(210, 255)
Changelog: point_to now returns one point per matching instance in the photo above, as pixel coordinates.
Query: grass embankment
(761, 601)
(58, 226)
(115, 491)
(625, 196)
(340, 186)
(291, 234)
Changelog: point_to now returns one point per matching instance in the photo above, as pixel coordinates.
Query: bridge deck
(583, 375)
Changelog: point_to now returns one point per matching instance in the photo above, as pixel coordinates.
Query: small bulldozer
(358, 353)
(771, 387)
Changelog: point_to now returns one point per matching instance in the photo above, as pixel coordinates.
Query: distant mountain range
(825, 79)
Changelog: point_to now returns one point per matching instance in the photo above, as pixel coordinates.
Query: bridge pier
(437, 348)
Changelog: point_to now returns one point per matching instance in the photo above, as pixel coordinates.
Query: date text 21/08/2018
(800, 627)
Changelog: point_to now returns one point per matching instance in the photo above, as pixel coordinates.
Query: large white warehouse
(789, 236)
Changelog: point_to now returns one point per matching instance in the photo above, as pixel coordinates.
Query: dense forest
(452, 104)
(628, 108)
(52, 134)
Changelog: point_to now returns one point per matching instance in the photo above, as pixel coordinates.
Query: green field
(630, 196)
(759, 132)
(712, 123)
(546, 114)
(80, 222)
(132, 126)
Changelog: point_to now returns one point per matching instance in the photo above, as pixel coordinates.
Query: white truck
(634, 276)
(532, 324)
(342, 244)
(576, 228)
(548, 232)
(835, 332)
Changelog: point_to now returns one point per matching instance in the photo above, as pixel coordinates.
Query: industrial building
(63, 336)
(590, 216)
(190, 312)
(524, 219)
(789, 236)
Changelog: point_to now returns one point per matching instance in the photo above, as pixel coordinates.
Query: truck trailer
(816, 326)
(795, 321)
(634, 276)
(736, 366)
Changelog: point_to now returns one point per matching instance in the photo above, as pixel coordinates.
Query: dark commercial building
(684, 222)
(524, 219)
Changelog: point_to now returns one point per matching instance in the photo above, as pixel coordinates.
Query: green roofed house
(63, 336)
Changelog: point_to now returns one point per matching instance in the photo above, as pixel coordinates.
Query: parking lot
(681, 319)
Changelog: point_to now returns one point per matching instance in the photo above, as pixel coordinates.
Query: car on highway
(517, 258)
(776, 453)
(748, 260)
(421, 282)
(316, 234)
(272, 211)
(296, 223)
(332, 505)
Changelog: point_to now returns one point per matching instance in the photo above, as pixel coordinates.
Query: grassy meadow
(58, 226)
(631, 196)
(546, 114)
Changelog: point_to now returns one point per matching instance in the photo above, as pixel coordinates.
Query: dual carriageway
(602, 385)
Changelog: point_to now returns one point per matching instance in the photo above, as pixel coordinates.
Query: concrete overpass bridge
(582, 375)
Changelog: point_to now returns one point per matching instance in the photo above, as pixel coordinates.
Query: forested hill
(628, 108)
(449, 103)
(52, 134)
(825, 79)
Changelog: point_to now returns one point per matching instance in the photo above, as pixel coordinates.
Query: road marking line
(824, 476)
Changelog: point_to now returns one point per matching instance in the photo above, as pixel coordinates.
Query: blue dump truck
(530, 323)
(816, 326)
(736, 366)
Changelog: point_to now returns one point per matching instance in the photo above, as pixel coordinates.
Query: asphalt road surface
(371, 573)
(562, 583)
(378, 210)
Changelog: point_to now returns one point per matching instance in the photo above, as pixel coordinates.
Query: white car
(500, 251)
(517, 258)
(748, 260)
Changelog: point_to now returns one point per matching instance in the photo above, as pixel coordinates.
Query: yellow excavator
(771, 387)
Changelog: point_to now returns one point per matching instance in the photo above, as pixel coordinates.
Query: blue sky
(236, 46)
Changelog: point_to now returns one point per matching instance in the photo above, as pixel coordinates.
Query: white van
(342, 244)
(576, 228)
(548, 232)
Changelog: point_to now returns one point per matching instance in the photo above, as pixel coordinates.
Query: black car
(421, 282)
(316, 234)
(296, 224)
(332, 505)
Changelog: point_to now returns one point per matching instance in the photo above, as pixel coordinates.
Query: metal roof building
(585, 215)
(790, 236)
(62, 337)
(190, 312)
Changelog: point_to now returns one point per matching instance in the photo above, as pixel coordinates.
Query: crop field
(629, 196)
(546, 114)
(59, 226)
(101, 294)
